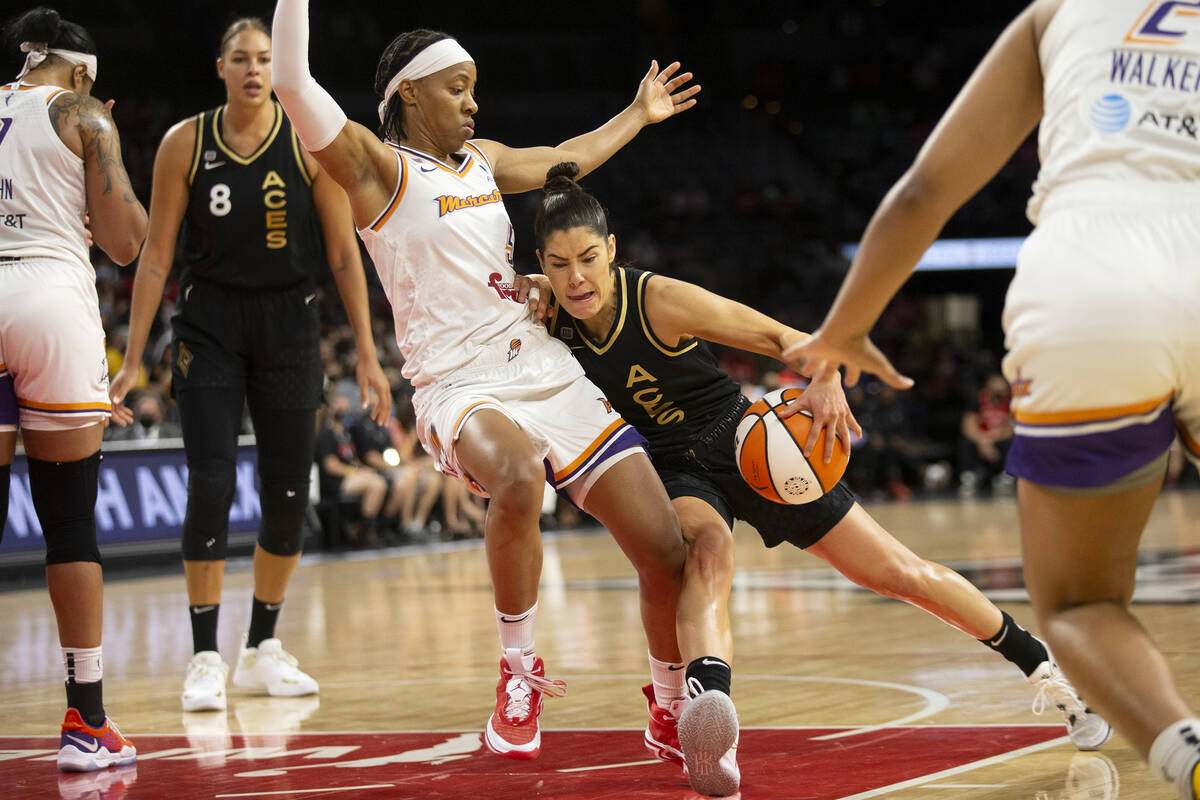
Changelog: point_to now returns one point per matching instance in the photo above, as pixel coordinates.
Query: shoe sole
(72, 760)
(242, 682)
(1090, 747)
(500, 747)
(708, 727)
(203, 704)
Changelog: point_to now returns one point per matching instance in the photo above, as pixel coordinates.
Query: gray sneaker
(708, 737)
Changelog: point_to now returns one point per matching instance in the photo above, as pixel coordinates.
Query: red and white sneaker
(82, 748)
(708, 737)
(662, 731)
(512, 730)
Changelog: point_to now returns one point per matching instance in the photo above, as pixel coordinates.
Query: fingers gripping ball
(770, 452)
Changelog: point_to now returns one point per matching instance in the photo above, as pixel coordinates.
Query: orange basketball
(770, 452)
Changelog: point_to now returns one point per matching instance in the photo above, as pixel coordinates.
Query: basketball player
(640, 338)
(500, 404)
(245, 329)
(1101, 319)
(60, 159)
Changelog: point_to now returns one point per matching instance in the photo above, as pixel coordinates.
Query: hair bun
(561, 178)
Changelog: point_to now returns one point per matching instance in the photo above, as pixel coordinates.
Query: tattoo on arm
(101, 143)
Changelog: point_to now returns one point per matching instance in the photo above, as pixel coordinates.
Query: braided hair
(395, 56)
(565, 205)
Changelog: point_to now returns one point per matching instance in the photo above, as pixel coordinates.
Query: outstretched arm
(660, 95)
(352, 155)
(967, 148)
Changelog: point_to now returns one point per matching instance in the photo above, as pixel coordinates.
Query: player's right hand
(125, 379)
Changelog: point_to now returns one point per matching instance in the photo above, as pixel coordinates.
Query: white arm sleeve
(316, 116)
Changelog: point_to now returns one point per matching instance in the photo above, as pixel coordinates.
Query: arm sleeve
(316, 116)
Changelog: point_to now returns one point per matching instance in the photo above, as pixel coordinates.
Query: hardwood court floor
(404, 645)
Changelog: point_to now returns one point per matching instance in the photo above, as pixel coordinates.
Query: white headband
(434, 58)
(39, 50)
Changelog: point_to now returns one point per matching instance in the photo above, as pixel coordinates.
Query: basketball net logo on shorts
(503, 288)
(1159, 23)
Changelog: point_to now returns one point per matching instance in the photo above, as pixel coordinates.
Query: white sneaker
(272, 669)
(204, 686)
(708, 737)
(1087, 729)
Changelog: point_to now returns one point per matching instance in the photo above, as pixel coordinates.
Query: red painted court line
(777, 764)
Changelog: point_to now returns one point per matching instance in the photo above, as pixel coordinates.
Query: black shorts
(709, 472)
(266, 344)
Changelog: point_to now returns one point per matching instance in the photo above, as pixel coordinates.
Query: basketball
(770, 452)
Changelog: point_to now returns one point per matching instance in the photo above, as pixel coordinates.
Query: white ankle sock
(667, 678)
(1175, 753)
(82, 664)
(516, 630)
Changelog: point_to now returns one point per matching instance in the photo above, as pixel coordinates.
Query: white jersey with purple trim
(1121, 96)
(443, 248)
(43, 196)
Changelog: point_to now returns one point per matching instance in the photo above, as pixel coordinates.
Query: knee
(211, 487)
(517, 487)
(902, 579)
(64, 497)
(284, 504)
(710, 552)
(664, 553)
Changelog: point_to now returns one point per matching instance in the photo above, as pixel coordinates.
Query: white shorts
(575, 430)
(1103, 335)
(53, 370)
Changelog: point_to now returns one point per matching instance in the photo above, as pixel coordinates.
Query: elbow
(126, 250)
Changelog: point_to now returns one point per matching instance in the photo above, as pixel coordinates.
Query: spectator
(151, 423)
(986, 435)
(343, 476)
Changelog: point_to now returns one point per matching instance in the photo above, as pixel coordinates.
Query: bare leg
(630, 501)
(204, 580)
(703, 617)
(859, 548)
(1080, 555)
(271, 574)
(498, 455)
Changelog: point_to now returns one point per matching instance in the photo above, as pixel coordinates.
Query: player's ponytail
(45, 25)
(566, 205)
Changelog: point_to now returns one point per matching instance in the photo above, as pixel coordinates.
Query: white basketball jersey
(443, 248)
(1122, 80)
(43, 197)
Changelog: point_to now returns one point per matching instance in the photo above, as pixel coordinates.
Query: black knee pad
(206, 525)
(283, 506)
(64, 496)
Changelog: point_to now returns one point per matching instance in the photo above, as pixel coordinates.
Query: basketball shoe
(512, 730)
(204, 685)
(272, 669)
(662, 731)
(82, 748)
(1087, 729)
(708, 737)
(109, 784)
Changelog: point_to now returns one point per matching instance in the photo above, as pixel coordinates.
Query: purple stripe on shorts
(622, 438)
(8, 401)
(1089, 460)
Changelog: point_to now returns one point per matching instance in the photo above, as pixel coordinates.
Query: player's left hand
(822, 354)
(372, 383)
(826, 401)
(659, 95)
(534, 290)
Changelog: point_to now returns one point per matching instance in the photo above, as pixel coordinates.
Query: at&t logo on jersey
(1110, 113)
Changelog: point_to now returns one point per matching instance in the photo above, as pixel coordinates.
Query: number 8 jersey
(251, 222)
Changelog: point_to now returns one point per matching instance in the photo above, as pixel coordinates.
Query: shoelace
(520, 689)
(1054, 689)
(283, 655)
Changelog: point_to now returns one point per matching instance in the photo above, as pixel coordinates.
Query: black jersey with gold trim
(251, 222)
(672, 395)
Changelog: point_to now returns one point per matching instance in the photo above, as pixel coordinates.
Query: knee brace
(206, 524)
(64, 496)
(283, 506)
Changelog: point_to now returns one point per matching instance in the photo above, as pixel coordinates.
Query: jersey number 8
(218, 200)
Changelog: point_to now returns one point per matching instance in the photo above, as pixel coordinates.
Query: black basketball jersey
(671, 395)
(251, 222)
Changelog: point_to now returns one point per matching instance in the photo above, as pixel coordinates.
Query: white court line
(295, 791)
(611, 766)
(946, 773)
